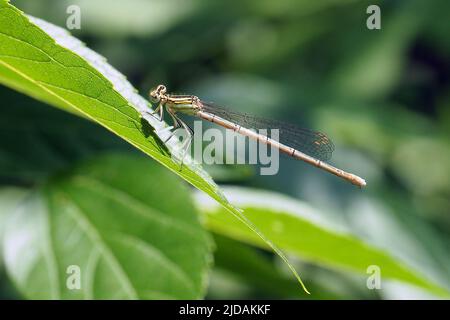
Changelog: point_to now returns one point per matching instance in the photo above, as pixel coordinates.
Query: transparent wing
(313, 143)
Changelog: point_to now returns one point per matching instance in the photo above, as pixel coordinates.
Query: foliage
(381, 95)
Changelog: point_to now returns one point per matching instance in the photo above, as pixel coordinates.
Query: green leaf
(298, 229)
(118, 219)
(45, 62)
(35, 59)
(246, 265)
(9, 198)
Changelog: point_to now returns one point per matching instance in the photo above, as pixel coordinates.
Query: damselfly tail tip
(360, 182)
(357, 181)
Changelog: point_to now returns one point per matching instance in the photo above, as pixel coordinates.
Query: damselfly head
(157, 93)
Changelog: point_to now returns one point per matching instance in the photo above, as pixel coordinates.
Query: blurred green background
(381, 95)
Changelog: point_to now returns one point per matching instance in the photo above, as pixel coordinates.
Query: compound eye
(154, 99)
(155, 95)
(161, 89)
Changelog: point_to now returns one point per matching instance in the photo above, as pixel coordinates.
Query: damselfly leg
(188, 140)
(159, 110)
(177, 123)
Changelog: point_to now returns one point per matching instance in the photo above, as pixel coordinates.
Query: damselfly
(310, 146)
